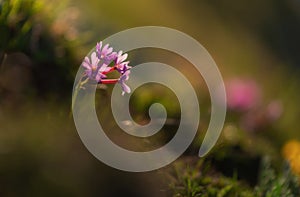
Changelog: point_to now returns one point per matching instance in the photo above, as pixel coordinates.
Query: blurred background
(255, 45)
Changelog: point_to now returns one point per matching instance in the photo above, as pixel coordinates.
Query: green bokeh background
(42, 44)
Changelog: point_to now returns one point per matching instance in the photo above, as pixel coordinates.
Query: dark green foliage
(200, 179)
(189, 179)
(16, 19)
(26, 29)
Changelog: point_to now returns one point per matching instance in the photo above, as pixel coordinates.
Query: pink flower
(105, 53)
(93, 69)
(123, 78)
(262, 117)
(121, 66)
(242, 94)
(98, 65)
(274, 110)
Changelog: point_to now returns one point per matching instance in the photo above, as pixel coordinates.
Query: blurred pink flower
(274, 110)
(262, 117)
(242, 94)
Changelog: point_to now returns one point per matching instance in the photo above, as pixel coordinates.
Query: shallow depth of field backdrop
(255, 45)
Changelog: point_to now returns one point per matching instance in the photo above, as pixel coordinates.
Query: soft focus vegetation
(254, 43)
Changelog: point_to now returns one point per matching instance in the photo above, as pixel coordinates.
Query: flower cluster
(98, 65)
(245, 99)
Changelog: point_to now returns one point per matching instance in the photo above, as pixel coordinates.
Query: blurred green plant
(16, 19)
(272, 184)
(47, 38)
(201, 179)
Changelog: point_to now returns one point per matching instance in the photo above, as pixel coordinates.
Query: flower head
(98, 65)
(122, 79)
(121, 65)
(105, 53)
(93, 69)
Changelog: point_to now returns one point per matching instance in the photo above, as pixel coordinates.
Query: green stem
(78, 87)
